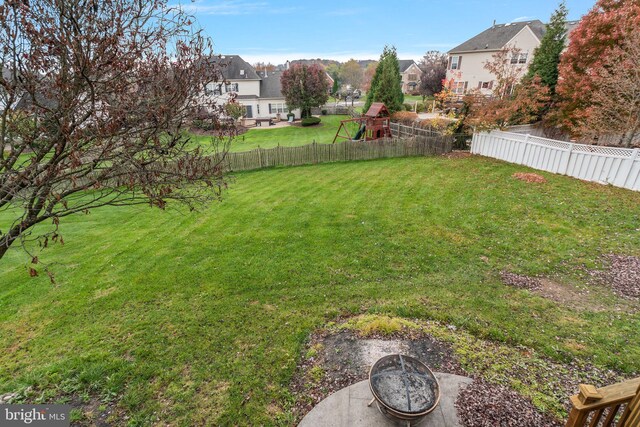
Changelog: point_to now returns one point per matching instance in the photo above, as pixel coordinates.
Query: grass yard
(199, 318)
(287, 136)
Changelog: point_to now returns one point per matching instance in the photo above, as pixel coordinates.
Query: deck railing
(600, 407)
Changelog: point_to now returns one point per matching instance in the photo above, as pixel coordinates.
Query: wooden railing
(600, 407)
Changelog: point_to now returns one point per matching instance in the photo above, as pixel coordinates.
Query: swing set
(373, 125)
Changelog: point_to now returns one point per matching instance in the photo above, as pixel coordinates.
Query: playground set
(373, 125)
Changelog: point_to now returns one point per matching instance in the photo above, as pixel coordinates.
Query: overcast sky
(274, 31)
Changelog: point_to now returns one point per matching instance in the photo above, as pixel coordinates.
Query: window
(487, 85)
(231, 87)
(278, 108)
(413, 77)
(523, 58)
(456, 62)
(520, 58)
(459, 87)
(217, 89)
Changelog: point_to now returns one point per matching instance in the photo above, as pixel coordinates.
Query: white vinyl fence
(606, 165)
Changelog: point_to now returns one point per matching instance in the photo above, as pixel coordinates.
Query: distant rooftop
(498, 35)
(236, 68)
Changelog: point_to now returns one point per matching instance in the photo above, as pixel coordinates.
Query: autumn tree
(368, 75)
(433, 68)
(234, 109)
(386, 84)
(546, 56)
(591, 44)
(615, 101)
(525, 105)
(94, 100)
(505, 66)
(351, 74)
(264, 66)
(305, 87)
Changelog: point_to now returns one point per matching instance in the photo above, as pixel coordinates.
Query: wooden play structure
(373, 125)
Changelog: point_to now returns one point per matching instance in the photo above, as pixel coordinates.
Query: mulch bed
(529, 177)
(622, 275)
(482, 404)
(457, 155)
(521, 281)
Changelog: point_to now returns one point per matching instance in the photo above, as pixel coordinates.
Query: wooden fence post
(315, 152)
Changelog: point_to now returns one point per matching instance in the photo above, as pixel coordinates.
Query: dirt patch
(621, 274)
(457, 154)
(579, 299)
(94, 412)
(529, 177)
(482, 404)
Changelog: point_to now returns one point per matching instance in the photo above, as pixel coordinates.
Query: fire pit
(403, 388)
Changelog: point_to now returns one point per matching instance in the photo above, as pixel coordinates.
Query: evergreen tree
(386, 85)
(336, 86)
(547, 56)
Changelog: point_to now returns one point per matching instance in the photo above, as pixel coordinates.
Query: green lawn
(287, 136)
(199, 318)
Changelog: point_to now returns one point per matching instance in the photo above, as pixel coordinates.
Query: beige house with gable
(410, 73)
(466, 61)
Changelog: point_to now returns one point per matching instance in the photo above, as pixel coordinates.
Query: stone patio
(348, 407)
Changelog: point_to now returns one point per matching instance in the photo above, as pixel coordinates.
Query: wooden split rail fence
(339, 152)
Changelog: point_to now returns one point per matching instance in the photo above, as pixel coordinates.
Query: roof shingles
(497, 36)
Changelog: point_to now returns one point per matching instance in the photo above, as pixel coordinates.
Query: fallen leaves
(622, 275)
(482, 404)
(529, 177)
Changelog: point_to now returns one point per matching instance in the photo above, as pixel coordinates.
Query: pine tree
(547, 56)
(386, 85)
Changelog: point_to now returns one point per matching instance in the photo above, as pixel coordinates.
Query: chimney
(494, 23)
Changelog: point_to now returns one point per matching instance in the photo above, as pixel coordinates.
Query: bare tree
(507, 65)
(95, 96)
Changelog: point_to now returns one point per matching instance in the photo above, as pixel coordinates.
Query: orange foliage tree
(592, 45)
(615, 100)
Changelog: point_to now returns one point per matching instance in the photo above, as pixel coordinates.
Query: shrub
(408, 107)
(324, 112)
(310, 121)
(421, 107)
(404, 117)
(438, 125)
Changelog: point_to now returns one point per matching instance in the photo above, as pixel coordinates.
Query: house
(466, 70)
(260, 92)
(410, 73)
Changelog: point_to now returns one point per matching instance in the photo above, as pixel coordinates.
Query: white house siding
(277, 104)
(472, 72)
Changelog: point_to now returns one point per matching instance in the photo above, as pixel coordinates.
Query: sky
(276, 31)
